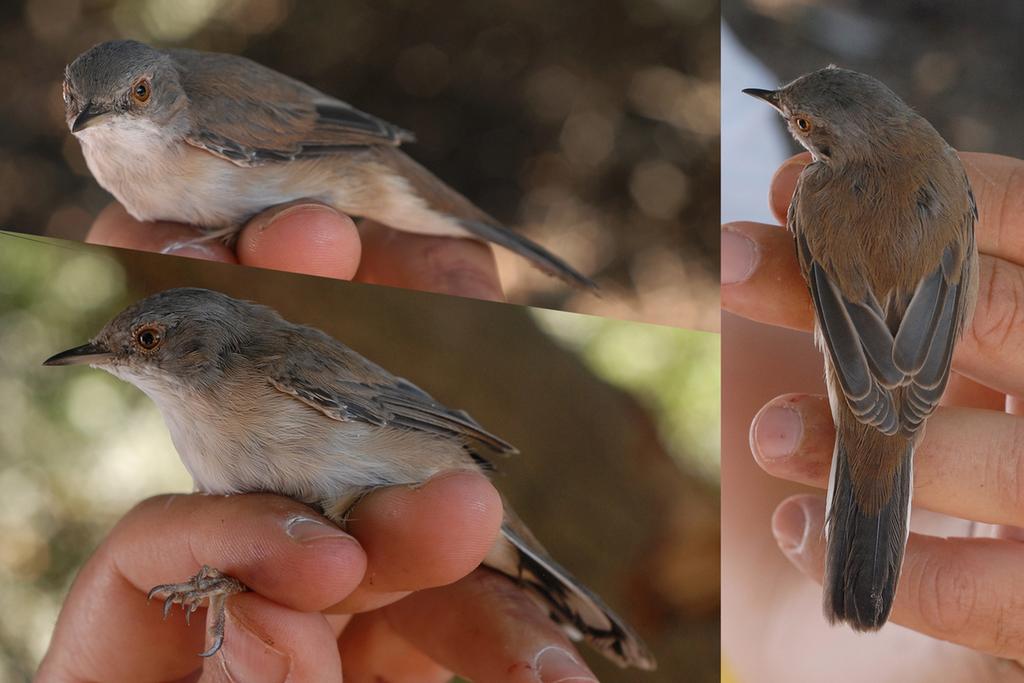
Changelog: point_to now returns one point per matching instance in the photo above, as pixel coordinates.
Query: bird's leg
(210, 584)
(226, 235)
(339, 510)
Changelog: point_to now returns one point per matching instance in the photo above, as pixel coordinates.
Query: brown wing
(252, 115)
(345, 386)
(891, 361)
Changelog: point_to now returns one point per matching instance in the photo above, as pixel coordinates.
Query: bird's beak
(81, 355)
(769, 96)
(89, 115)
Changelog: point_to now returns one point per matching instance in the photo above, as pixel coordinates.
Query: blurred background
(591, 127)
(959, 64)
(617, 423)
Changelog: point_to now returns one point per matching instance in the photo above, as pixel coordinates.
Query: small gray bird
(212, 139)
(884, 224)
(255, 403)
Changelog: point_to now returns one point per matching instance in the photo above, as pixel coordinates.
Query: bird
(255, 403)
(212, 139)
(883, 221)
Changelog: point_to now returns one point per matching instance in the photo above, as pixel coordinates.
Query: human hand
(958, 589)
(311, 238)
(405, 572)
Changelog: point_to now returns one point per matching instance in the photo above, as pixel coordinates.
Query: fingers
(280, 549)
(992, 347)
(267, 643)
(374, 652)
(761, 279)
(486, 628)
(771, 290)
(302, 237)
(275, 546)
(422, 537)
(969, 464)
(996, 181)
(307, 237)
(115, 228)
(964, 590)
(444, 265)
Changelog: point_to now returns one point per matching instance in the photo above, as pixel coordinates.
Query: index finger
(113, 227)
(444, 265)
(997, 183)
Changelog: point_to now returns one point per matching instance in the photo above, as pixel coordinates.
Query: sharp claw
(217, 642)
(168, 603)
(208, 583)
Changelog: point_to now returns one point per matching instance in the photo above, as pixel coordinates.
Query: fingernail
(789, 525)
(268, 219)
(246, 658)
(309, 530)
(739, 256)
(777, 432)
(555, 665)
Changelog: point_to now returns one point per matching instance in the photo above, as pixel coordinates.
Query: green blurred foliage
(64, 438)
(78, 448)
(675, 372)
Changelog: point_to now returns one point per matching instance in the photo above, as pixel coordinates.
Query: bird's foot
(210, 584)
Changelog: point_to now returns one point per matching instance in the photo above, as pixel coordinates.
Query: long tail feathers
(866, 540)
(531, 251)
(568, 603)
(443, 200)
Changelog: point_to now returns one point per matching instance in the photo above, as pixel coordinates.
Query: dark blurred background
(959, 64)
(617, 423)
(592, 127)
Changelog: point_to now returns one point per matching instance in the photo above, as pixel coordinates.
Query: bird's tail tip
(580, 613)
(866, 542)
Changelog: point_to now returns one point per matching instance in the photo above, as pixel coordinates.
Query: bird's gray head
(838, 114)
(177, 341)
(121, 83)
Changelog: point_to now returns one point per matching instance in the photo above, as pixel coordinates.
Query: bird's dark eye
(141, 91)
(803, 124)
(148, 338)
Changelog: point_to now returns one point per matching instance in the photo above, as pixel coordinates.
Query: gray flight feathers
(304, 122)
(446, 200)
(568, 602)
(231, 138)
(892, 362)
(889, 353)
(344, 386)
(254, 104)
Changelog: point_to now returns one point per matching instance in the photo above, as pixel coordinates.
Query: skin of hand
(396, 599)
(960, 596)
(314, 239)
(396, 573)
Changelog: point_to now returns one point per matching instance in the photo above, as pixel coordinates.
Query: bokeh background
(617, 423)
(591, 127)
(959, 64)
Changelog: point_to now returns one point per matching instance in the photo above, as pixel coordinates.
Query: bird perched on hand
(255, 403)
(883, 219)
(212, 139)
